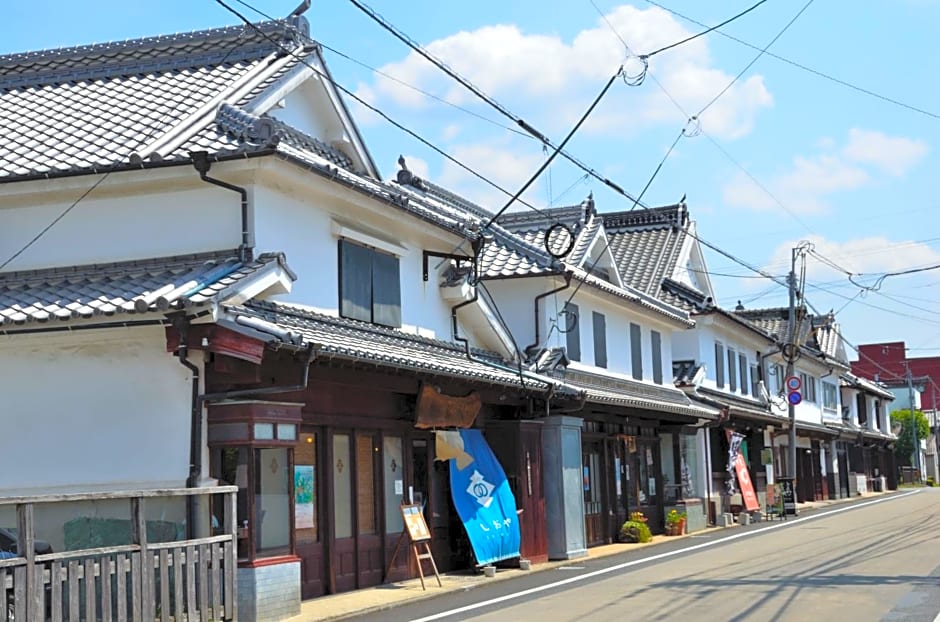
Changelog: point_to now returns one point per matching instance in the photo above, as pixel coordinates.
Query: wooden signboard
(415, 524)
(416, 529)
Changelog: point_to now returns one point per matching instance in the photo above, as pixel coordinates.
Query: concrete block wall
(269, 593)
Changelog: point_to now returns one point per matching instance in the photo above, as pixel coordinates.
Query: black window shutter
(600, 339)
(386, 290)
(355, 281)
(636, 351)
(732, 373)
(720, 365)
(573, 336)
(657, 344)
(742, 360)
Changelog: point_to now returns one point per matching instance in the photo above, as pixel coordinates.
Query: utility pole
(915, 458)
(791, 356)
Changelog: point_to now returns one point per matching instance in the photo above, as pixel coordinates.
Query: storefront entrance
(346, 544)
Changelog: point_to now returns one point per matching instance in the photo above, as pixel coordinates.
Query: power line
(62, 215)
(688, 116)
(704, 32)
(645, 188)
(425, 93)
(558, 149)
(815, 72)
(416, 47)
(374, 109)
(756, 58)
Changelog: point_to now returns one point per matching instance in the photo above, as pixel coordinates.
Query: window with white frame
(830, 396)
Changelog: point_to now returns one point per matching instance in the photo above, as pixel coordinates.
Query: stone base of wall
(269, 593)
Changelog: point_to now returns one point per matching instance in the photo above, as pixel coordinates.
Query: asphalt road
(871, 560)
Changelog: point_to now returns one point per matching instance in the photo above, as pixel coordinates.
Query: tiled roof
(635, 394)
(646, 244)
(361, 342)
(851, 380)
(818, 333)
(89, 108)
(121, 288)
(580, 220)
(683, 372)
(739, 405)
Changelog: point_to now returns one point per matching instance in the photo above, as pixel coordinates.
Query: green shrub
(931, 482)
(635, 531)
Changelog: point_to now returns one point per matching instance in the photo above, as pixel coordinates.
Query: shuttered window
(369, 285)
(732, 372)
(600, 339)
(656, 341)
(742, 362)
(719, 365)
(572, 320)
(636, 351)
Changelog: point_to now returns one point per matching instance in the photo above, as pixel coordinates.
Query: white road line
(651, 558)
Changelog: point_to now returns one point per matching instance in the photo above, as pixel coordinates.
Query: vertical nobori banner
(734, 446)
(481, 495)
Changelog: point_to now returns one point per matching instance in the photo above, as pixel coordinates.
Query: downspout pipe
(195, 427)
(538, 299)
(202, 165)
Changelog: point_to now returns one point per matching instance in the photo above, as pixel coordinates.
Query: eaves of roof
(362, 343)
(110, 291)
(738, 406)
(633, 394)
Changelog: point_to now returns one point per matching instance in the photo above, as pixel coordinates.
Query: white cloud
(526, 70)
(807, 184)
(893, 155)
(505, 167)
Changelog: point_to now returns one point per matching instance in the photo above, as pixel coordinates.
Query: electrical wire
(815, 72)
(686, 115)
(417, 48)
(704, 32)
(54, 221)
(755, 59)
(374, 109)
(577, 126)
(425, 93)
(645, 188)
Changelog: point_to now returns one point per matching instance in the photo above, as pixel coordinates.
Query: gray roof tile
(361, 342)
(646, 243)
(91, 107)
(129, 287)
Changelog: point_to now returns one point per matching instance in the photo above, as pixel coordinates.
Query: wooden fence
(141, 582)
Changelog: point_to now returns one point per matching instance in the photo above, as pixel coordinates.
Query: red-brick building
(886, 362)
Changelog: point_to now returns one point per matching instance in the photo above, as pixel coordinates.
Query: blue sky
(851, 173)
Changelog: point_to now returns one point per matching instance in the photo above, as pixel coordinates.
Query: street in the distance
(870, 561)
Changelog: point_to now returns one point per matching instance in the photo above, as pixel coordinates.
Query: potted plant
(675, 523)
(635, 529)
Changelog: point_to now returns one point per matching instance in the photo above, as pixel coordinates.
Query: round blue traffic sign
(794, 397)
(794, 383)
